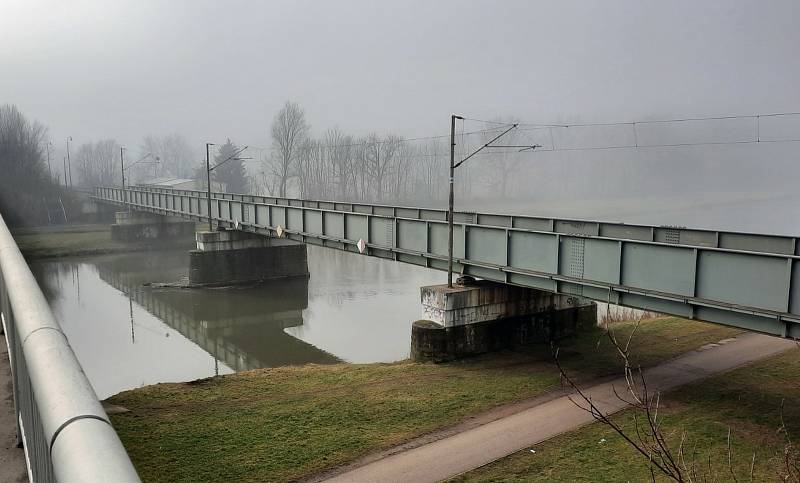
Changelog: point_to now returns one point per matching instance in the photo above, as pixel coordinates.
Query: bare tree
(431, 175)
(24, 179)
(648, 437)
(176, 158)
(289, 131)
(344, 167)
(380, 154)
(340, 152)
(98, 163)
(314, 170)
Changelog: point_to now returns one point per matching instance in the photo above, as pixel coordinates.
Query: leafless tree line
(336, 165)
(98, 163)
(24, 178)
(341, 166)
(175, 156)
(371, 168)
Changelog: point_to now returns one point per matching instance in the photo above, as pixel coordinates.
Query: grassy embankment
(746, 400)
(71, 240)
(62, 241)
(292, 422)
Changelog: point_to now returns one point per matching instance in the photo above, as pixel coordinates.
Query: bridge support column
(484, 316)
(235, 257)
(133, 226)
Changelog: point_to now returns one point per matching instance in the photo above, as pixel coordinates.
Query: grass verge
(746, 400)
(292, 422)
(72, 240)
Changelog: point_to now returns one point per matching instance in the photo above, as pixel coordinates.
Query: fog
(212, 71)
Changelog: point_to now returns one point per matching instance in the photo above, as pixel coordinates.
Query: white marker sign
(361, 245)
(279, 231)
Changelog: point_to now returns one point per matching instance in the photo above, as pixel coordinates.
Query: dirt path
(12, 459)
(475, 447)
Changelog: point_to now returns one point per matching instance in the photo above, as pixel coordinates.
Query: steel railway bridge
(745, 280)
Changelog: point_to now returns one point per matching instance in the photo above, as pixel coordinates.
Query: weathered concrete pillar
(133, 226)
(485, 316)
(235, 257)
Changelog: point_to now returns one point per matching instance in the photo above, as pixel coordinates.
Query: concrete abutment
(484, 316)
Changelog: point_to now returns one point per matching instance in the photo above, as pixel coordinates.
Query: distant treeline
(373, 167)
(341, 166)
(26, 187)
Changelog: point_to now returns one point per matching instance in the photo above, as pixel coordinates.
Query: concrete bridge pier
(236, 257)
(484, 316)
(133, 226)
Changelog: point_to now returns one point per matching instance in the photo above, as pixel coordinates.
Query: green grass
(292, 422)
(747, 401)
(71, 240)
(65, 241)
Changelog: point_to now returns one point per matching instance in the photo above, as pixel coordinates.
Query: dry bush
(648, 437)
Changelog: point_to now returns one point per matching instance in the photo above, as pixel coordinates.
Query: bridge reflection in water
(242, 327)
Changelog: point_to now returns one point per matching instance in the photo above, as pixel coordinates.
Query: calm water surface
(352, 308)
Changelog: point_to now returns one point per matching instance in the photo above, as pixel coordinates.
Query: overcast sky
(211, 70)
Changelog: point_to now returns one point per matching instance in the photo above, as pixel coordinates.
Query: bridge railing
(66, 434)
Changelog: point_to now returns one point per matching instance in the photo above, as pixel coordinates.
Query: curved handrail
(67, 434)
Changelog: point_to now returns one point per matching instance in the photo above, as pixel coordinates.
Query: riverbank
(746, 401)
(65, 241)
(59, 241)
(294, 422)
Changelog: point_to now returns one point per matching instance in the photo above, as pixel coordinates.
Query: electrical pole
(65, 172)
(49, 169)
(209, 168)
(453, 166)
(450, 201)
(69, 162)
(122, 170)
(208, 187)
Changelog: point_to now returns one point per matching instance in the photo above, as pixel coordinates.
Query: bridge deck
(744, 280)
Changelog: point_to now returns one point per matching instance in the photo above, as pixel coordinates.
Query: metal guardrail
(65, 431)
(744, 280)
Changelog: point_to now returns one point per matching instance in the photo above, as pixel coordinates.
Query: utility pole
(122, 170)
(49, 169)
(453, 166)
(450, 201)
(208, 187)
(210, 168)
(65, 172)
(69, 162)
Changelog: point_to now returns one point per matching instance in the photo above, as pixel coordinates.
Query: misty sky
(211, 70)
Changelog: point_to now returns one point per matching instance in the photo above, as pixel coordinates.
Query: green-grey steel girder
(745, 280)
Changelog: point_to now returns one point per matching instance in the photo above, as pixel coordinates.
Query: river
(352, 308)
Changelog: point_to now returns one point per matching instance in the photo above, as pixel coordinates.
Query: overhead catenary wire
(527, 127)
(643, 121)
(644, 146)
(601, 148)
